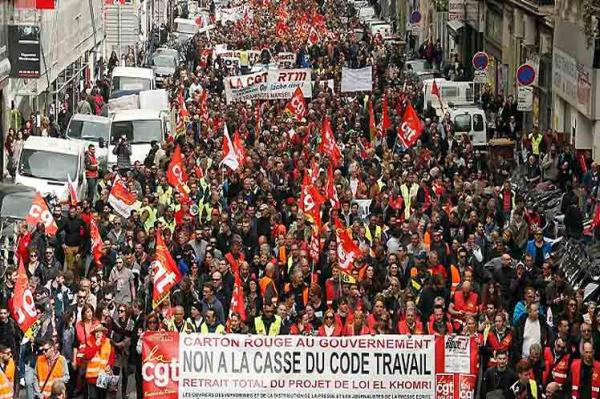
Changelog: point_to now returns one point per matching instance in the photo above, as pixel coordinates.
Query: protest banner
(286, 60)
(233, 14)
(289, 366)
(268, 85)
(357, 79)
(386, 366)
(160, 351)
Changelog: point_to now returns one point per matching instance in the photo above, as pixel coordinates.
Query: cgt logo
(456, 343)
(444, 386)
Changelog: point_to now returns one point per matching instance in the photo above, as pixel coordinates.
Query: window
(87, 130)
(48, 165)
(137, 132)
(477, 122)
(462, 123)
(449, 92)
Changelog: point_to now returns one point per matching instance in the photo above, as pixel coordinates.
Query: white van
(140, 127)
(91, 129)
(451, 93)
(471, 121)
(47, 163)
(131, 79)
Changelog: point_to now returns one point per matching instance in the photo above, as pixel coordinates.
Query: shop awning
(455, 26)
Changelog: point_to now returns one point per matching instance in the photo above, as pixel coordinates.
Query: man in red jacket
(585, 375)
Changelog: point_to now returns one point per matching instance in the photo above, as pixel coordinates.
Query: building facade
(69, 44)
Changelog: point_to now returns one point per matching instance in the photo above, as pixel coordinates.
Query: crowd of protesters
(439, 212)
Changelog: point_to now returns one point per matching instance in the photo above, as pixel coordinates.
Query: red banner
(160, 351)
(39, 212)
(22, 307)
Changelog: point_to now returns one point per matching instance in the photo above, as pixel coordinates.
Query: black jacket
(519, 330)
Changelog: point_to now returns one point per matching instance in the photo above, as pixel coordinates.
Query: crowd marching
(336, 215)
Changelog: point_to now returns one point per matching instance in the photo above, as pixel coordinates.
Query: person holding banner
(100, 356)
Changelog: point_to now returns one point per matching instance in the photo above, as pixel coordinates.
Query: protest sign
(289, 366)
(268, 85)
(393, 366)
(286, 60)
(357, 79)
(160, 351)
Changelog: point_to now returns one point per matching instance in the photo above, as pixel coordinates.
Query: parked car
(15, 203)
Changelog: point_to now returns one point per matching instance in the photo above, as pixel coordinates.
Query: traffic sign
(525, 98)
(415, 17)
(526, 75)
(480, 76)
(480, 61)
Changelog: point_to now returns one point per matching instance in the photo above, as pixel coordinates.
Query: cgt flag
(176, 173)
(411, 128)
(297, 105)
(39, 212)
(97, 242)
(165, 271)
(22, 306)
(121, 199)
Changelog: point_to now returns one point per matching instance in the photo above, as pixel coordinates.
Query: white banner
(233, 14)
(457, 354)
(265, 85)
(357, 79)
(286, 60)
(393, 366)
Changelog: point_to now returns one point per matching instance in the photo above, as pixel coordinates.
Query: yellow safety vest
(219, 330)
(151, 216)
(535, 144)
(407, 195)
(274, 329)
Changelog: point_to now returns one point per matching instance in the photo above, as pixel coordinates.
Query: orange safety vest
(454, 278)
(576, 378)
(6, 386)
(556, 369)
(47, 374)
(403, 328)
(288, 287)
(263, 284)
(99, 361)
(10, 370)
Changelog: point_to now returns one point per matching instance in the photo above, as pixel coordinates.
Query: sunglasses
(329, 317)
(44, 350)
(121, 310)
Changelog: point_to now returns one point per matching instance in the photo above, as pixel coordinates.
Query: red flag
(45, 4)
(372, 123)
(166, 272)
(97, 243)
(313, 36)
(258, 120)
(39, 212)
(199, 22)
(238, 299)
(311, 201)
(314, 171)
(435, 91)
(315, 245)
(176, 173)
(22, 246)
(297, 105)
(281, 29)
(385, 117)
(411, 128)
(230, 155)
(330, 190)
(328, 145)
(22, 306)
(72, 191)
(347, 250)
(183, 112)
(238, 146)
